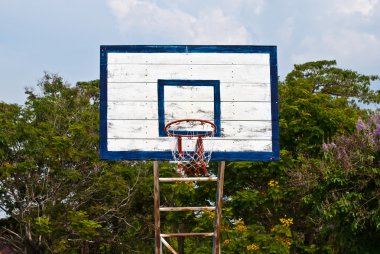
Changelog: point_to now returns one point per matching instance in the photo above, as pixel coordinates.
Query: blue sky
(63, 36)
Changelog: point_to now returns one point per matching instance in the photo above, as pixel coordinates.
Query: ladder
(159, 237)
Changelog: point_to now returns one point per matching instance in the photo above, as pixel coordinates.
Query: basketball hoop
(188, 149)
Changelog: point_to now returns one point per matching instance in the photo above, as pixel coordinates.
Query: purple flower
(374, 119)
(360, 125)
(377, 130)
(327, 147)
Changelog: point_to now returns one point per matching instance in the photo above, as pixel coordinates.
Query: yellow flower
(285, 241)
(240, 225)
(253, 247)
(288, 242)
(227, 241)
(241, 228)
(286, 221)
(273, 184)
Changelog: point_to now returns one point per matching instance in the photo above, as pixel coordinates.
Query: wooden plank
(245, 92)
(157, 222)
(246, 129)
(186, 234)
(132, 91)
(229, 110)
(149, 129)
(132, 128)
(224, 73)
(187, 208)
(163, 144)
(184, 110)
(180, 110)
(189, 93)
(188, 179)
(188, 58)
(168, 246)
(148, 92)
(246, 110)
(132, 110)
(218, 210)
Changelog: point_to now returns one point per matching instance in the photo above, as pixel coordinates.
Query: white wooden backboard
(145, 87)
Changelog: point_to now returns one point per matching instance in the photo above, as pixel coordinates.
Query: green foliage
(42, 225)
(239, 238)
(81, 226)
(53, 184)
(317, 102)
(325, 78)
(321, 197)
(344, 198)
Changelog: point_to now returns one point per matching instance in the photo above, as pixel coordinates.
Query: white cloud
(351, 43)
(146, 21)
(215, 27)
(348, 46)
(121, 8)
(348, 7)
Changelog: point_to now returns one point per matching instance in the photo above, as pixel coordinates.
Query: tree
(318, 101)
(342, 191)
(57, 192)
(60, 198)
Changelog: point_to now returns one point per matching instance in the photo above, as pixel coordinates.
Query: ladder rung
(188, 179)
(172, 209)
(186, 234)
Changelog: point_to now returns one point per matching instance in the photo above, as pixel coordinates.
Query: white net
(192, 145)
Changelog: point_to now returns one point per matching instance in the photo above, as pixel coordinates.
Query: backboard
(143, 88)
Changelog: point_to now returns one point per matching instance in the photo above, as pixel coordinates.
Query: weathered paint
(168, 246)
(148, 92)
(225, 73)
(188, 179)
(230, 129)
(230, 111)
(186, 234)
(164, 144)
(248, 117)
(189, 58)
(218, 209)
(186, 209)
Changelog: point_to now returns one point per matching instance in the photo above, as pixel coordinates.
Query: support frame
(159, 237)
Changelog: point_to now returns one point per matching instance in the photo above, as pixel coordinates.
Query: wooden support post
(189, 179)
(159, 240)
(218, 209)
(186, 209)
(158, 249)
(186, 234)
(168, 246)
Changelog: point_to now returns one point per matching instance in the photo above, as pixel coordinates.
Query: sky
(63, 36)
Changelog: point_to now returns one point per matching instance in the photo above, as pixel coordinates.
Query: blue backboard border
(274, 155)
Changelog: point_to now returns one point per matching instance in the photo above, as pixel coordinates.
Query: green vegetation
(322, 197)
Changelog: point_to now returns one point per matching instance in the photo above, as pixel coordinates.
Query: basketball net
(192, 145)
